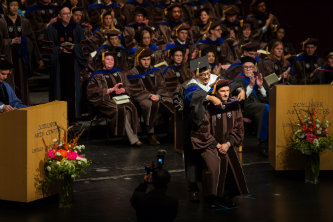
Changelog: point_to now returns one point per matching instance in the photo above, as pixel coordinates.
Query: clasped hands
(223, 148)
(117, 89)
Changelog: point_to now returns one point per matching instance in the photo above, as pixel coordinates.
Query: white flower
(58, 163)
(48, 168)
(316, 142)
(54, 140)
(60, 144)
(318, 132)
(73, 176)
(58, 154)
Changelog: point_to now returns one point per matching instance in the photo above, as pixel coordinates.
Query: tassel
(275, 28)
(224, 11)
(267, 49)
(137, 57)
(177, 29)
(102, 19)
(103, 55)
(169, 53)
(165, 12)
(72, 10)
(241, 23)
(197, 73)
(303, 43)
(199, 53)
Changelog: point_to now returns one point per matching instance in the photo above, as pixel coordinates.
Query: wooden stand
(25, 136)
(285, 100)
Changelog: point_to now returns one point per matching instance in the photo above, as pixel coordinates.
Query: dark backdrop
(303, 19)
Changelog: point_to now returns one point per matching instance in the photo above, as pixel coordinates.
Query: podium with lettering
(285, 101)
(25, 136)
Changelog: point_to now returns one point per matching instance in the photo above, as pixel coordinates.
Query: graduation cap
(105, 54)
(250, 46)
(254, 3)
(309, 41)
(219, 83)
(214, 24)
(232, 10)
(329, 53)
(5, 65)
(114, 32)
(75, 9)
(9, 1)
(199, 65)
(140, 10)
(143, 52)
(174, 6)
(181, 27)
(60, 7)
(245, 59)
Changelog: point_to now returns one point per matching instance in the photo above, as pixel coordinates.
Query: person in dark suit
(152, 204)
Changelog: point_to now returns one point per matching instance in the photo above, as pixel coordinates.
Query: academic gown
(24, 56)
(142, 84)
(8, 97)
(221, 173)
(64, 68)
(98, 84)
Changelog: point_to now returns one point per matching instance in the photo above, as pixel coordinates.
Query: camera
(160, 158)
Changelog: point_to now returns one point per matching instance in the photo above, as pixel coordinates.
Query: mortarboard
(219, 83)
(248, 59)
(199, 65)
(309, 41)
(250, 46)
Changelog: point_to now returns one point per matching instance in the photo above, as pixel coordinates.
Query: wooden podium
(284, 100)
(25, 136)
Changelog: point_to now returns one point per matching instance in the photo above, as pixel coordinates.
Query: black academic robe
(65, 68)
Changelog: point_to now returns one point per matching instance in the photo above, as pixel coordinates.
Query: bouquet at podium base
(310, 136)
(65, 161)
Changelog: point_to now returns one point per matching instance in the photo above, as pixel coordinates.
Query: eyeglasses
(204, 74)
(248, 67)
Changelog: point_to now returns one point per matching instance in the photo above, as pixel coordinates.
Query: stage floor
(104, 193)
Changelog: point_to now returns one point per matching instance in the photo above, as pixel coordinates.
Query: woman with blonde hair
(276, 63)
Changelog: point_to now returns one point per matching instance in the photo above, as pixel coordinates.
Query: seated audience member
(306, 63)
(103, 87)
(148, 90)
(8, 99)
(324, 74)
(256, 103)
(276, 63)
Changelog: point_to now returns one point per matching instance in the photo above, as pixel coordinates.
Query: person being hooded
(103, 86)
(148, 90)
(216, 140)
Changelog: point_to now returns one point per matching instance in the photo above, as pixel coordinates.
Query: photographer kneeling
(152, 203)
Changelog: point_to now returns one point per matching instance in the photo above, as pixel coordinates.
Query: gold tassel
(177, 29)
(224, 11)
(267, 49)
(169, 53)
(198, 69)
(102, 20)
(275, 28)
(199, 53)
(241, 23)
(165, 12)
(137, 57)
(103, 55)
(214, 89)
(72, 10)
(303, 43)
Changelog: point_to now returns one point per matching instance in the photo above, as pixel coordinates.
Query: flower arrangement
(65, 161)
(310, 135)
